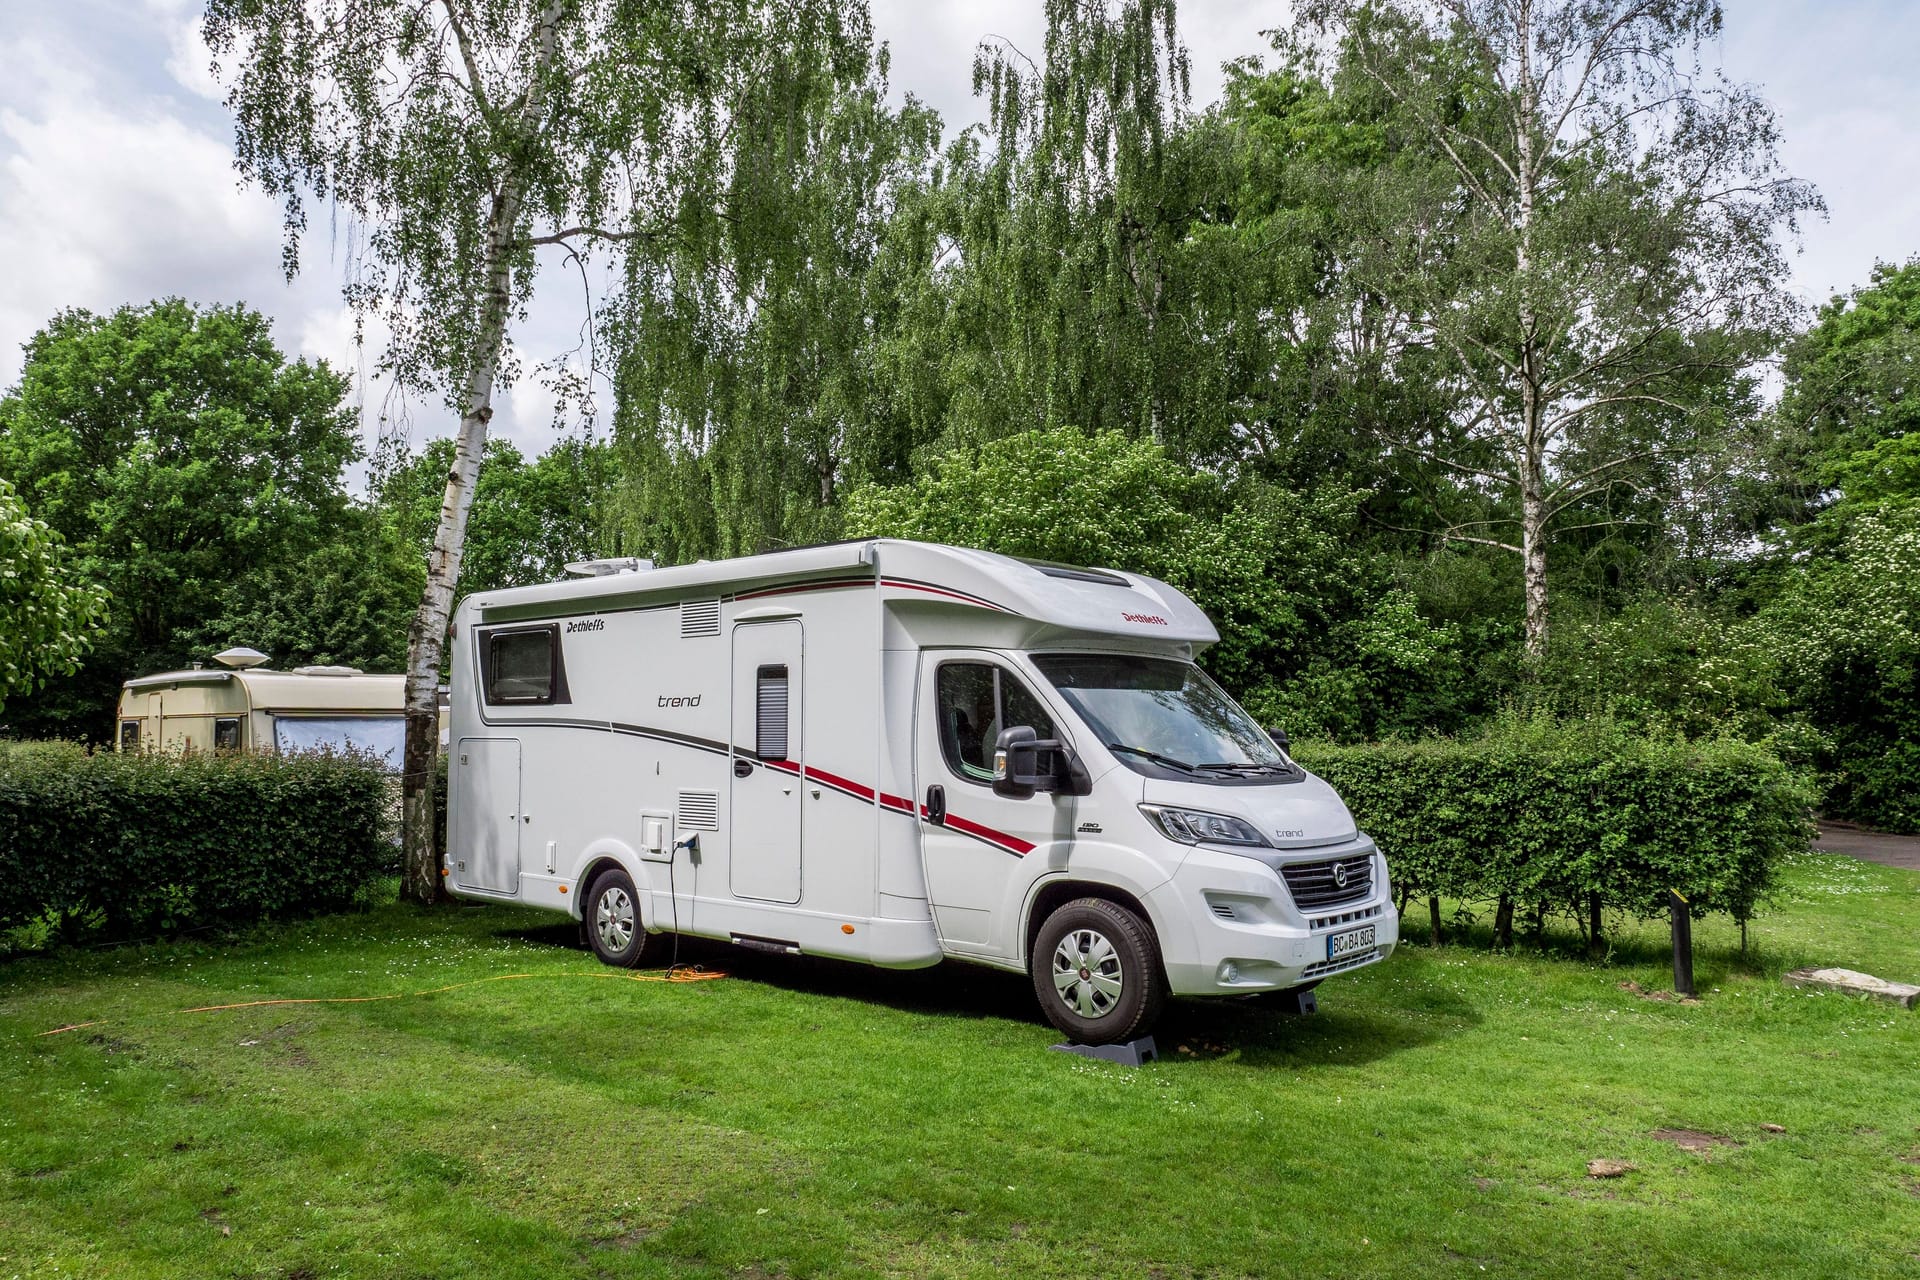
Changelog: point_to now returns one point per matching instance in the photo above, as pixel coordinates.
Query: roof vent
(240, 658)
(328, 671)
(607, 568)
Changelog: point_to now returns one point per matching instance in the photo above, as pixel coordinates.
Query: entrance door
(768, 763)
(974, 856)
(486, 825)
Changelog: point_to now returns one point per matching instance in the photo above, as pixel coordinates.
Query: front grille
(1345, 917)
(1317, 884)
(1353, 961)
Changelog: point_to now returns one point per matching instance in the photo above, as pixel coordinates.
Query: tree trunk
(426, 639)
(1433, 922)
(1503, 923)
(1532, 456)
(1596, 942)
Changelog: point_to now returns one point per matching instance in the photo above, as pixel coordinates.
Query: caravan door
(973, 841)
(484, 842)
(768, 763)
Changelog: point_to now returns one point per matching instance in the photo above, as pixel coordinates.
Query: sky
(117, 183)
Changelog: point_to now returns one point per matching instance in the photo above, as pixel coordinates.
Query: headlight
(1193, 826)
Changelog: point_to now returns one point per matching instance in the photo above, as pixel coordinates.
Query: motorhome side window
(770, 714)
(520, 665)
(976, 700)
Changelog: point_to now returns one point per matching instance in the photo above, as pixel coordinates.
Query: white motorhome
(897, 753)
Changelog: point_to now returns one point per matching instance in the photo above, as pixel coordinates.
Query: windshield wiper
(1250, 766)
(1156, 757)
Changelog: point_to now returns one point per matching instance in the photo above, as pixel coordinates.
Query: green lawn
(808, 1119)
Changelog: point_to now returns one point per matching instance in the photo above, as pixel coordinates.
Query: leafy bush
(137, 844)
(1575, 817)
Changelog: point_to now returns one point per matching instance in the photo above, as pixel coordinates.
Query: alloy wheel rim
(613, 919)
(1087, 973)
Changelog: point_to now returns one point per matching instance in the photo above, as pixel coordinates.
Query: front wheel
(1096, 972)
(613, 921)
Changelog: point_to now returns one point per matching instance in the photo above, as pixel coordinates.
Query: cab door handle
(937, 805)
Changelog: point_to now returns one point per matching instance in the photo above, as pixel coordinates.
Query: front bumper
(1232, 925)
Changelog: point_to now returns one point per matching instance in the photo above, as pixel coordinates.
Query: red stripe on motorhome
(900, 804)
(898, 584)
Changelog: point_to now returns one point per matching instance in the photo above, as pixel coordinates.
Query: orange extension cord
(677, 974)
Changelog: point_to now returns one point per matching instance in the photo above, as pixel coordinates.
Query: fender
(610, 849)
(1098, 862)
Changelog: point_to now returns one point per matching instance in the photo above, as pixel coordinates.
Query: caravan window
(381, 736)
(975, 701)
(129, 735)
(226, 735)
(523, 666)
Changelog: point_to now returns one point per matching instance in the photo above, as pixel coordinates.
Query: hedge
(1545, 818)
(140, 844)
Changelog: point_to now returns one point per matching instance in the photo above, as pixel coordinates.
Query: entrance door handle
(937, 805)
(742, 768)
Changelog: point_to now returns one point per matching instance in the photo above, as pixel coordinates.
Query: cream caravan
(243, 706)
(897, 753)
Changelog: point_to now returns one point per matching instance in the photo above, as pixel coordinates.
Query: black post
(1682, 943)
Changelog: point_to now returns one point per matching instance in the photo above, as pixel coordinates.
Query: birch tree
(460, 138)
(1582, 223)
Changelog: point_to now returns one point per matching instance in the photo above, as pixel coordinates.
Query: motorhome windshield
(1164, 718)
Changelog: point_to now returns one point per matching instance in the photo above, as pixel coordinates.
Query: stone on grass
(1850, 982)
(1609, 1168)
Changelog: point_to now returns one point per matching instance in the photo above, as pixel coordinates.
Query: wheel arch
(1050, 894)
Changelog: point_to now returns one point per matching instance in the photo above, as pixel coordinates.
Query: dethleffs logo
(591, 624)
(1154, 618)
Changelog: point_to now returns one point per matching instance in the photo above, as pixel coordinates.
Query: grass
(1435, 1117)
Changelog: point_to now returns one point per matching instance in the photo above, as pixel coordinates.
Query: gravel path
(1872, 846)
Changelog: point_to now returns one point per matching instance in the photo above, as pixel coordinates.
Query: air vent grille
(698, 811)
(699, 618)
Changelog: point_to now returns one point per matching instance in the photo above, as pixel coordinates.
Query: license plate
(1345, 944)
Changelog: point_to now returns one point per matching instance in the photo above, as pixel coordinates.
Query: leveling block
(1131, 1054)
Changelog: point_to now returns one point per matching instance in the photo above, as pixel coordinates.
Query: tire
(612, 921)
(1096, 972)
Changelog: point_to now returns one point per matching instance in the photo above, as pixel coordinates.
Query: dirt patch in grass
(1694, 1140)
(1656, 994)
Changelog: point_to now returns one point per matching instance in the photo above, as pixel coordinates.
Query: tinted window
(520, 665)
(974, 701)
(129, 735)
(226, 735)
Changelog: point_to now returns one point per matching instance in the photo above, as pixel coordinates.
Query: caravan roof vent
(328, 671)
(240, 658)
(607, 568)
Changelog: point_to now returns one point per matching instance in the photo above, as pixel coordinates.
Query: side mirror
(1278, 735)
(1024, 763)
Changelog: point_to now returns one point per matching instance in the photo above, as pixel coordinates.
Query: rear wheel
(1096, 972)
(613, 920)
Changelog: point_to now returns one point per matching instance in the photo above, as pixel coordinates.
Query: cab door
(974, 843)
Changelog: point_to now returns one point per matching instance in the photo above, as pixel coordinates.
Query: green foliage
(1850, 405)
(48, 617)
(179, 454)
(1845, 629)
(1551, 815)
(1106, 500)
(753, 393)
(528, 519)
(128, 845)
